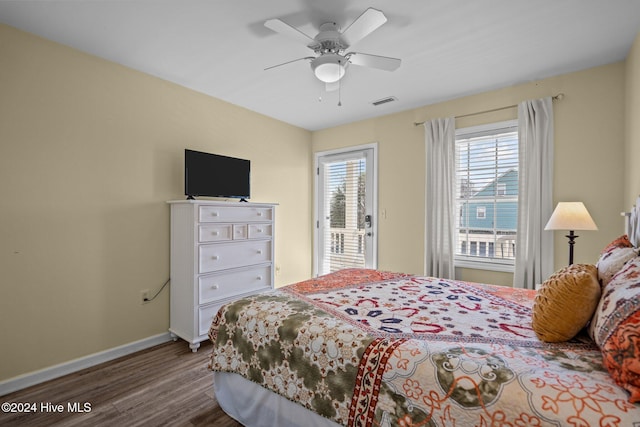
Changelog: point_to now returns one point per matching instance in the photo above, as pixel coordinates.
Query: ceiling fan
(331, 62)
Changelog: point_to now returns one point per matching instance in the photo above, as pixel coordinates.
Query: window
(483, 249)
(481, 212)
(487, 195)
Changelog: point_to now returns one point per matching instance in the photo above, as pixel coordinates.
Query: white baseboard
(46, 374)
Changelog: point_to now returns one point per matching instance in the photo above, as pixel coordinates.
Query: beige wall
(632, 125)
(89, 153)
(589, 141)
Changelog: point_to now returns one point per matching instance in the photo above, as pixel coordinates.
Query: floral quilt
(370, 348)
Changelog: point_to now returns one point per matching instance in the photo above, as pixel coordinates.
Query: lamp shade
(570, 216)
(329, 67)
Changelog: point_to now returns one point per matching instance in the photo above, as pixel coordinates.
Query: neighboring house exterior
(488, 218)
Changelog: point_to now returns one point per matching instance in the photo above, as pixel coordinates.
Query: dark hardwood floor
(164, 385)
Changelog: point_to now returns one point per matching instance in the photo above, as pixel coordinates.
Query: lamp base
(572, 241)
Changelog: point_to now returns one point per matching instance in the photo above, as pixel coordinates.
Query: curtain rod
(557, 97)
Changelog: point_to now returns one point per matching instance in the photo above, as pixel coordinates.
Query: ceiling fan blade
(364, 25)
(285, 29)
(374, 61)
(308, 58)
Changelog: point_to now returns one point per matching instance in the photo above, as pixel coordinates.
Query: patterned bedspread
(366, 348)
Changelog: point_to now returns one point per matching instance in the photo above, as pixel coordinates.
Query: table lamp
(571, 216)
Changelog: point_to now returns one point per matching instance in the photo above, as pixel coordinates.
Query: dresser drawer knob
(259, 277)
(259, 251)
(215, 287)
(215, 233)
(259, 213)
(215, 257)
(214, 213)
(259, 230)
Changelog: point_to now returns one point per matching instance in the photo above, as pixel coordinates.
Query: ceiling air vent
(384, 100)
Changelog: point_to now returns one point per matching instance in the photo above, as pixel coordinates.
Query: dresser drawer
(257, 231)
(221, 256)
(234, 214)
(205, 317)
(225, 285)
(240, 231)
(215, 232)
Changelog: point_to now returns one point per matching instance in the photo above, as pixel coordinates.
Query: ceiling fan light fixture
(329, 68)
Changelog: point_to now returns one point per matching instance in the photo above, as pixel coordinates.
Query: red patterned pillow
(615, 327)
(620, 242)
(621, 356)
(613, 258)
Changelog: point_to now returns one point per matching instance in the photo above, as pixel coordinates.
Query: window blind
(344, 214)
(487, 192)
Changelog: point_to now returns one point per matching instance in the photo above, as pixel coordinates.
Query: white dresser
(219, 252)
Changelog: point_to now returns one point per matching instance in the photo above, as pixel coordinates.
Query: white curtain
(534, 246)
(440, 197)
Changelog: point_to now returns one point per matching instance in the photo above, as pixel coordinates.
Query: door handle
(367, 221)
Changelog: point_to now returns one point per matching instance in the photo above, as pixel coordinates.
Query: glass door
(345, 223)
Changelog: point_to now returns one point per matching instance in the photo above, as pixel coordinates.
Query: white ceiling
(448, 49)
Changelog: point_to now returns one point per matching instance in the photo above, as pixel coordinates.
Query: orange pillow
(620, 355)
(565, 302)
(616, 328)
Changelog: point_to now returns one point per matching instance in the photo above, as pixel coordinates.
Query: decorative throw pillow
(612, 263)
(613, 258)
(616, 328)
(620, 356)
(623, 288)
(621, 242)
(565, 302)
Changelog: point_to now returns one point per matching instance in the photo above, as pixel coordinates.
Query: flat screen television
(213, 175)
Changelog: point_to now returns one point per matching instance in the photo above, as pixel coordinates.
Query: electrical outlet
(144, 296)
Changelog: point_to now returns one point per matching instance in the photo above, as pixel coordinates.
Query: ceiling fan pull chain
(339, 89)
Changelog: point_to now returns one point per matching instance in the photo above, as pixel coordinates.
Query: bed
(363, 347)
